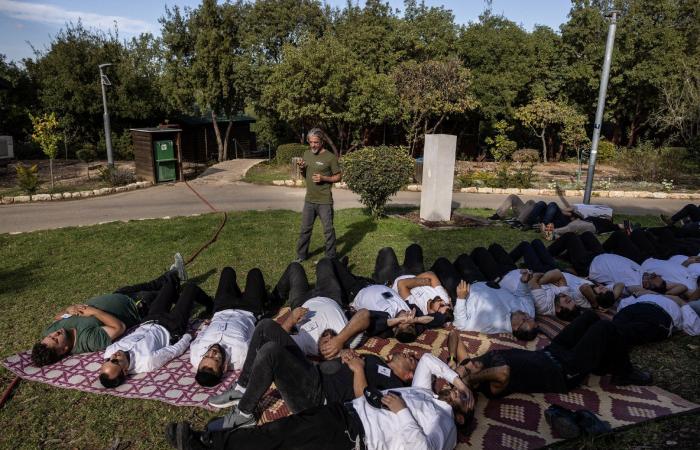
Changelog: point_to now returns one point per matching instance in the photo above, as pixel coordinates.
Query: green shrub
(116, 177)
(526, 155)
(27, 178)
(286, 152)
(476, 178)
(606, 150)
(122, 147)
(650, 164)
(377, 173)
(500, 146)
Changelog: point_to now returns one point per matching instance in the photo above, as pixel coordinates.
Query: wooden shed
(199, 141)
(155, 159)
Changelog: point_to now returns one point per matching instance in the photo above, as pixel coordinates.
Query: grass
(266, 173)
(47, 270)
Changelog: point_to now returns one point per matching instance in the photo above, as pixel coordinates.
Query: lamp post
(601, 104)
(104, 81)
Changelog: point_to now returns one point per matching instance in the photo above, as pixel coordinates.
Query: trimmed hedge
(286, 152)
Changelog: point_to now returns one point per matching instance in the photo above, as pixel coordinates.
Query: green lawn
(42, 272)
(266, 173)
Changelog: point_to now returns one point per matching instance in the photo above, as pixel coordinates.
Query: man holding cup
(320, 168)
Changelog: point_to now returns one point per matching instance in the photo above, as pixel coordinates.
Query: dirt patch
(457, 220)
(563, 172)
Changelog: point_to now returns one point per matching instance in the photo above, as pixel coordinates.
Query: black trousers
(318, 428)
(636, 247)
(690, 211)
(493, 262)
(294, 286)
(273, 356)
(676, 241)
(602, 225)
(176, 320)
(144, 294)
(448, 275)
(387, 268)
(590, 345)
(229, 295)
(535, 255)
(468, 270)
(580, 250)
(547, 213)
(643, 323)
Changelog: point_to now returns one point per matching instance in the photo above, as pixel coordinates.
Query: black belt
(356, 430)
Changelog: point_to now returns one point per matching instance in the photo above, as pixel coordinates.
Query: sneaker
(226, 399)
(495, 217)
(180, 436)
(562, 421)
(179, 266)
(237, 419)
(591, 424)
(635, 377)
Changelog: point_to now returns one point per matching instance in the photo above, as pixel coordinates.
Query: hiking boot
(562, 421)
(179, 267)
(591, 424)
(237, 419)
(636, 377)
(180, 436)
(226, 399)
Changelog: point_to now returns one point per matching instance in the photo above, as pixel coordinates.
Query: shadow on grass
(18, 279)
(354, 235)
(199, 279)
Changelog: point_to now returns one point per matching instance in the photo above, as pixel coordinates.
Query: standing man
(320, 168)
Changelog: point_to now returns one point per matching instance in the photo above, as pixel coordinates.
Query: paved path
(226, 194)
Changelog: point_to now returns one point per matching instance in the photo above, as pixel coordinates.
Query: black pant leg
(536, 213)
(177, 320)
(317, 428)
(448, 275)
(602, 350)
(502, 257)
(328, 284)
(413, 260)
(691, 211)
(167, 295)
(574, 331)
(620, 244)
(386, 266)
(468, 270)
(228, 294)
(591, 243)
(293, 285)
(546, 260)
(531, 258)
(487, 265)
(643, 323)
(578, 255)
(255, 294)
(267, 330)
(148, 291)
(602, 225)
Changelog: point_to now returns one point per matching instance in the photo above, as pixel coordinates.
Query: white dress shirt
(488, 310)
(232, 329)
(693, 268)
(609, 268)
(671, 272)
(544, 296)
(422, 295)
(683, 318)
(149, 348)
(378, 297)
(324, 313)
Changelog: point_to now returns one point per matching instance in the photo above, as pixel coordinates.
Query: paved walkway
(221, 188)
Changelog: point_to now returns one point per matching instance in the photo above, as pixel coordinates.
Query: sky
(35, 22)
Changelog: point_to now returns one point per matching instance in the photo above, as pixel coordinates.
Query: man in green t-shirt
(321, 169)
(101, 320)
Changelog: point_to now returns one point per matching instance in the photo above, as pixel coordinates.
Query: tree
(428, 92)
(46, 129)
(501, 147)
(427, 32)
(16, 102)
(540, 115)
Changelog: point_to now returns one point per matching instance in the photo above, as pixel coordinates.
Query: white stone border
(75, 195)
(537, 192)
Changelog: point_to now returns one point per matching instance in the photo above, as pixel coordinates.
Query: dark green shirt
(90, 336)
(327, 165)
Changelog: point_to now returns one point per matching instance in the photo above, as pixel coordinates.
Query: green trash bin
(166, 164)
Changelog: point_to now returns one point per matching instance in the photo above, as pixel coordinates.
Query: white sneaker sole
(225, 405)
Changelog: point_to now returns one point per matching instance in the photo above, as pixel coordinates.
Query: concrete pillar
(438, 176)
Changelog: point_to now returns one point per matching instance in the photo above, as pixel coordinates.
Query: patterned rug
(516, 422)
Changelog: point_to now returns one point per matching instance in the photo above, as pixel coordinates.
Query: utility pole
(601, 104)
(104, 81)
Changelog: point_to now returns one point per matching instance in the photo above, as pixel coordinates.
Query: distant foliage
(116, 177)
(606, 150)
(377, 173)
(27, 178)
(526, 155)
(46, 128)
(653, 164)
(500, 146)
(286, 152)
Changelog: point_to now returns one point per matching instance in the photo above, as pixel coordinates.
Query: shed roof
(156, 130)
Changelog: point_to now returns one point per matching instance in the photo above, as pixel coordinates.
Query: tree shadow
(355, 233)
(17, 279)
(199, 279)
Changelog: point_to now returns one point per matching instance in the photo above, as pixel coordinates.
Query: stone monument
(438, 177)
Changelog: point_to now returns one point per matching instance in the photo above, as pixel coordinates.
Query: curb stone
(76, 194)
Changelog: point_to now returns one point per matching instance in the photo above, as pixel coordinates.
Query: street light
(104, 81)
(601, 104)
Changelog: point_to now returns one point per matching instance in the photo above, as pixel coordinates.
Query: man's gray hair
(316, 132)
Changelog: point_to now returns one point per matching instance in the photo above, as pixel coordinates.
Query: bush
(650, 164)
(377, 173)
(526, 155)
(286, 152)
(500, 146)
(27, 178)
(477, 178)
(122, 147)
(116, 177)
(606, 150)
(87, 153)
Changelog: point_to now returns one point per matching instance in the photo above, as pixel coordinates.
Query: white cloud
(56, 15)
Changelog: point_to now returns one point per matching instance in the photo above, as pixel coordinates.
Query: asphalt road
(178, 200)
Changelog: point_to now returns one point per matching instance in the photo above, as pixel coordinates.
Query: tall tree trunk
(51, 171)
(328, 139)
(217, 133)
(544, 147)
(226, 139)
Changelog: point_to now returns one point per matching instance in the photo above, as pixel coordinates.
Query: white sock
(240, 388)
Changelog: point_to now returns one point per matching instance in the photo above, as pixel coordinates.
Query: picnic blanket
(515, 422)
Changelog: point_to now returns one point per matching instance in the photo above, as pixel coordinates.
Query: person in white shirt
(160, 338)
(487, 308)
(673, 272)
(424, 291)
(651, 317)
(562, 294)
(222, 342)
(403, 418)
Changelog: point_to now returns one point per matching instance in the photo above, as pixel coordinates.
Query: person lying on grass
(160, 338)
(92, 326)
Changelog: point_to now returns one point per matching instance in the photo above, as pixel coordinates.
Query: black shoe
(345, 260)
(635, 377)
(495, 217)
(591, 424)
(563, 422)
